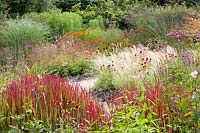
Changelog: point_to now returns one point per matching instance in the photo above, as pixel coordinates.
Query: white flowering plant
(194, 74)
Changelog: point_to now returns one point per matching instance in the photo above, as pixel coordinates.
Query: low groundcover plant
(166, 108)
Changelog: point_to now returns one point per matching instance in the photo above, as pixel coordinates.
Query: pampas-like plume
(134, 64)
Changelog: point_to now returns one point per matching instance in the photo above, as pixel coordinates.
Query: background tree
(3, 7)
(20, 7)
(66, 5)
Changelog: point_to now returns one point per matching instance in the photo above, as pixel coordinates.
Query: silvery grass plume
(133, 64)
(190, 57)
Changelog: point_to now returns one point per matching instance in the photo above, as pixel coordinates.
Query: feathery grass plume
(133, 64)
(191, 57)
(16, 33)
(156, 21)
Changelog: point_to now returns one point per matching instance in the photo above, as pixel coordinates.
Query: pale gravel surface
(88, 83)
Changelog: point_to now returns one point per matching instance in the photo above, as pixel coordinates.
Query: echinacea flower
(165, 116)
(194, 74)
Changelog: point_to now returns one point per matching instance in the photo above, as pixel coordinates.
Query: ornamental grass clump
(53, 100)
(156, 21)
(20, 35)
(133, 64)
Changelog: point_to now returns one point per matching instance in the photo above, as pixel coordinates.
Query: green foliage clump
(69, 67)
(113, 12)
(179, 75)
(6, 77)
(88, 13)
(3, 10)
(131, 118)
(59, 22)
(105, 81)
(113, 34)
(109, 35)
(66, 5)
(93, 34)
(15, 32)
(96, 23)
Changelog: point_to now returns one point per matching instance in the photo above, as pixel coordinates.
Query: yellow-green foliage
(107, 35)
(96, 23)
(5, 77)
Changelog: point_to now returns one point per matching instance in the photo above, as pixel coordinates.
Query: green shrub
(93, 24)
(69, 67)
(179, 74)
(96, 23)
(131, 118)
(109, 35)
(59, 22)
(66, 5)
(93, 34)
(21, 34)
(113, 34)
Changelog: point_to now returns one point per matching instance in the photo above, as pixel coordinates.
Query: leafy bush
(66, 5)
(96, 23)
(100, 36)
(113, 34)
(113, 11)
(179, 74)
(68, 67)
(59, 22)
(93, 34)
(131, 118)
(52, 100)
(21, 34)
